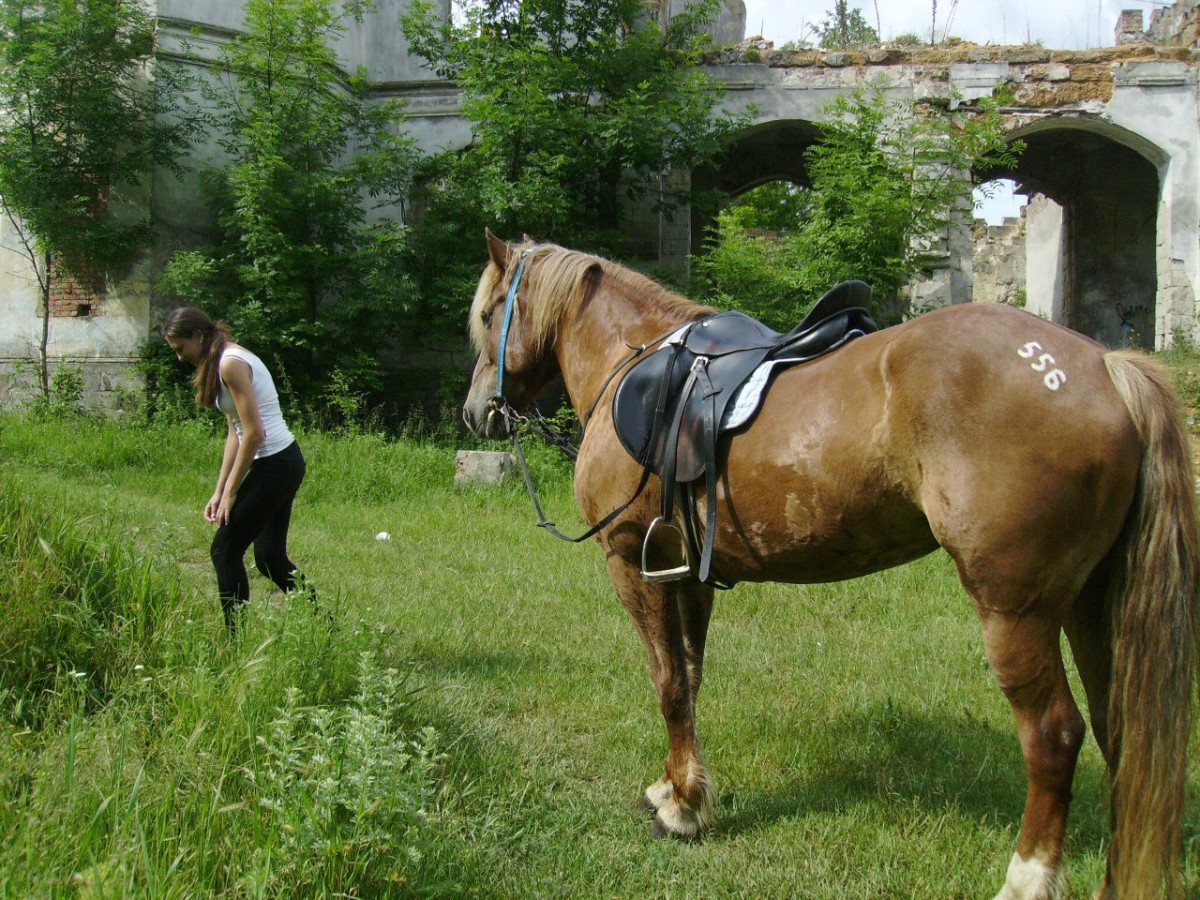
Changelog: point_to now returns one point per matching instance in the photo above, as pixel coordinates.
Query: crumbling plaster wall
(1138, 96)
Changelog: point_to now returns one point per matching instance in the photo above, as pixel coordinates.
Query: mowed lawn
(858, 742)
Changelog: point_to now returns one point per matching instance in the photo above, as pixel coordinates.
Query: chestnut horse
(1055, 473)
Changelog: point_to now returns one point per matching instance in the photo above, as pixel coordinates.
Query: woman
(262, 466)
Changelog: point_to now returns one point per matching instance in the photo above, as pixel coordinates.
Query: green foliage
(66, 390)
(83, 125)
(759, 270)
(78, 608)
(167, 395)
(577, 107)
(1183, 357)
(888, 178)
(63, 395)
(845, 29)
(306, 263)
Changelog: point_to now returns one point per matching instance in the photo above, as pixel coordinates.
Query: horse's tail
(1155, 620)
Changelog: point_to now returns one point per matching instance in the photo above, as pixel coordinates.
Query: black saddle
(668, 409)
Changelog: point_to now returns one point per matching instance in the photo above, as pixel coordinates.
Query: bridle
(499, 405)
(510, 302)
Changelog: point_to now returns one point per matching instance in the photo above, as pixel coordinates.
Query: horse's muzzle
(491, 420)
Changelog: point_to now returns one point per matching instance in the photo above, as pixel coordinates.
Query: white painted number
(1054, 378)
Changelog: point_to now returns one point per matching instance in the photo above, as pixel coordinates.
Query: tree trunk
(43, 350)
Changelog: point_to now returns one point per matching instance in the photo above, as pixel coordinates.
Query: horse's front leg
(672, 619)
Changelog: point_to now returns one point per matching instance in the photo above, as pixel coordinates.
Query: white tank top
(276, 434)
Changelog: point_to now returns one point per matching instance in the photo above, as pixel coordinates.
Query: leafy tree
(578, 107)
(82, 126)
(845, 29)
(753, 261)
(773, 208)
(309, 262)
(888, 178)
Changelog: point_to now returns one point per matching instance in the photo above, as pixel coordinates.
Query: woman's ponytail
(187, 321)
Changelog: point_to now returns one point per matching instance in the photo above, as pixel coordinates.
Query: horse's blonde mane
(556, 280)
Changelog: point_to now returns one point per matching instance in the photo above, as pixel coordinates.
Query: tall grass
(477, 719)
(145, 752)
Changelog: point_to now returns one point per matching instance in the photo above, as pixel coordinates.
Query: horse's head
(515, 357)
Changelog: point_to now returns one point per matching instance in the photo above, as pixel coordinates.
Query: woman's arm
(227, 458)
(236, 375)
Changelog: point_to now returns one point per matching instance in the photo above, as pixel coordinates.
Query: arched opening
(773, 152)
(1091, 228)
(750, 260)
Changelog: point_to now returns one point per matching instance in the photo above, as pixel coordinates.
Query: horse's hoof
(660, 831)
(673, 820)
(656, 796)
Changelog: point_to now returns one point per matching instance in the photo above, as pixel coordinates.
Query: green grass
(478, 719)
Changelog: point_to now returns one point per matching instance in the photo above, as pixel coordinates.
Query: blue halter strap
(510, 301)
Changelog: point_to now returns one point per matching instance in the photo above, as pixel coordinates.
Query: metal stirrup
(660, 575)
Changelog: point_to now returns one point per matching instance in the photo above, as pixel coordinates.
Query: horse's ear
(588, 285)
(497, 249)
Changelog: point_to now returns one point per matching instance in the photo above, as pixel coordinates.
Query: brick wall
(75, 295)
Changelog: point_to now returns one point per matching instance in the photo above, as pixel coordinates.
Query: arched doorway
(770, 152)
(1091, 227)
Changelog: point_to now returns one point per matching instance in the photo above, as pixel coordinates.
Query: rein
(550, 527)
(563, 443)
(514, 419)
(500, 405)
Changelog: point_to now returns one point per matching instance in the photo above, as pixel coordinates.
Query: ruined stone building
(1109, 246)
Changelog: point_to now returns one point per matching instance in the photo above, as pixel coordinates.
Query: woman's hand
(225, 507)
(213, 505)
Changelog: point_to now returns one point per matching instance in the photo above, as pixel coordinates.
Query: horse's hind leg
(1088, 630)
(672, 620)
(1023, 650)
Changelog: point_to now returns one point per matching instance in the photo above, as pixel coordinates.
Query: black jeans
(260, 516)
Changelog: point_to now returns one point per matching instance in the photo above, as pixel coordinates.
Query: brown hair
(187, 321)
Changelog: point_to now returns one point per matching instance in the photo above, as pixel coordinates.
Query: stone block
(487, 467)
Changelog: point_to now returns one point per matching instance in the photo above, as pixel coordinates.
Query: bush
(347, 793)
